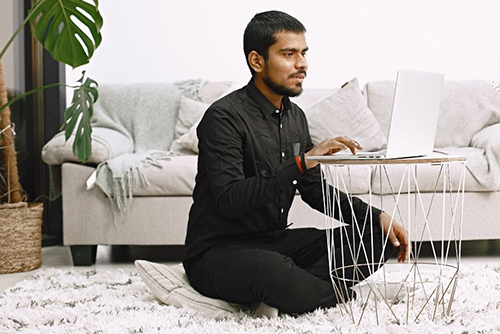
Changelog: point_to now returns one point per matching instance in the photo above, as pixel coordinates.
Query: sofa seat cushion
(352, 179)
(175, 177)
(427, 175)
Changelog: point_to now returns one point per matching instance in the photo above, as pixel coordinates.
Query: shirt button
(277, 111)
(283, 154)
(294, 182)
(282, 210)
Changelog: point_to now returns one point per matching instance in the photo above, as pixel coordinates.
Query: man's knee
(241, 276)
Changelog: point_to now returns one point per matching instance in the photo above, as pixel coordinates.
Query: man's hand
(397, 235)
(330, 146)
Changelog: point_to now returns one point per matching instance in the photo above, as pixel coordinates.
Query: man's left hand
(397, 235)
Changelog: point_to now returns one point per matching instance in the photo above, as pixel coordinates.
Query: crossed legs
(285, 269)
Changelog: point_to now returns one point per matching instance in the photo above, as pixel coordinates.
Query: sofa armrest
(487, 137)
(106, 144)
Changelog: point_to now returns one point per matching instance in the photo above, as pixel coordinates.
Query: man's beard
(282, 90)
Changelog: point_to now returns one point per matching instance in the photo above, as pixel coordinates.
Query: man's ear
(256, 61)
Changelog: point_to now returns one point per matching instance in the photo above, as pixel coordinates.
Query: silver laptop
(414, 119)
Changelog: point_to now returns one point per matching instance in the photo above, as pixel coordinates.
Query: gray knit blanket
(147, 114)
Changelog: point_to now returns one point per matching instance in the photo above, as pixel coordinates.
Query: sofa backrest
(136, 110)
(311, 96)
(466, 107)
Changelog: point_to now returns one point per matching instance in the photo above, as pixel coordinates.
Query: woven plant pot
(20, 237)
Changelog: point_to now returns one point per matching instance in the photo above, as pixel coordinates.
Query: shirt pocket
(266, 151)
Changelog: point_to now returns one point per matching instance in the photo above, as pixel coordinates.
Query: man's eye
(304, 54)
(289, 54)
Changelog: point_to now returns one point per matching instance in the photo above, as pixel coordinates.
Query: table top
(346, 159)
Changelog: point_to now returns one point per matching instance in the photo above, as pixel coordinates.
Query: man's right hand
(330, 146)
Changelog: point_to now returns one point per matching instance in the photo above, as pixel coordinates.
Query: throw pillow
(106, 144)
(345, 113)
(170, 285)
(190, 139)
(214, 90)
(189, 112)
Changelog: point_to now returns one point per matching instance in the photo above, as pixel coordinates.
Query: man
(252, 149)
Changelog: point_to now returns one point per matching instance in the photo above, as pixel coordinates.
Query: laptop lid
(415, 113)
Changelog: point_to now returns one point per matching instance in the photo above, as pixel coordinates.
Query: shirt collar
(266, 107)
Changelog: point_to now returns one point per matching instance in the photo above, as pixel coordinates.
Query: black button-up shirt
(247, 174)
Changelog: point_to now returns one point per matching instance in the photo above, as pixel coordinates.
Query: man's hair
(261, 31)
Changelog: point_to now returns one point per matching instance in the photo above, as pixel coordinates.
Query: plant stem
(14, 187)
(17, 98)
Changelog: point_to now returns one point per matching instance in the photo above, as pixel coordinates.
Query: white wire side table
(421, 287)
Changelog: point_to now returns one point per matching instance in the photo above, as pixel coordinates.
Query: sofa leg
(83, 255)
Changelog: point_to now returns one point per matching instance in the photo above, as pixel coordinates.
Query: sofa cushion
(180, 179)
(137, 109)
(483, 158)
(460, 100)
(106, 144)
(190, 112)
(214, 90)
(170, 285)
(174, 177)
(427, 176)
(352, 179)
(345, 112)
(189, 140)
(311, 96)
(379, 96)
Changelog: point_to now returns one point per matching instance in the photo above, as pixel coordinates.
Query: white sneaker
(262, 309)
(390, 291)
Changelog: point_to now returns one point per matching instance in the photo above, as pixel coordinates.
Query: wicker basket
(20, 237)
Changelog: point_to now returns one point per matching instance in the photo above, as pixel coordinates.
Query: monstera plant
(70, 31)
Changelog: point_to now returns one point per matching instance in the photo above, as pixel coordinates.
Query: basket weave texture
(20, 237)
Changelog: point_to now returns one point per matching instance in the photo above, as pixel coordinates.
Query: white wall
(153, 40)
(10, 18)
(6, 31)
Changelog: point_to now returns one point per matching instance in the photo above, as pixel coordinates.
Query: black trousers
(285, 269)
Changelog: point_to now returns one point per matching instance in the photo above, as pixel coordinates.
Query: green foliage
(70, 31)
(78, 116)
(63, 38)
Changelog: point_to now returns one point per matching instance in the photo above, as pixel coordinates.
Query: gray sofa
(157, 213)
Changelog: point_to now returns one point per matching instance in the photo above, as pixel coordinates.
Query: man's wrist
(299, 160)
(309, 163)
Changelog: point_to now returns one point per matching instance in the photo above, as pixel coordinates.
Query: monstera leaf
(78, 115)
(68, 29)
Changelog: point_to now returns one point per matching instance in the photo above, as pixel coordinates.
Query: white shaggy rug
(90, 301)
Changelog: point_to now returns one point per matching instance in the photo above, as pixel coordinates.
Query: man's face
(285, 69)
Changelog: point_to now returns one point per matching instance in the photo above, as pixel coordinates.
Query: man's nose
(301, 62)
